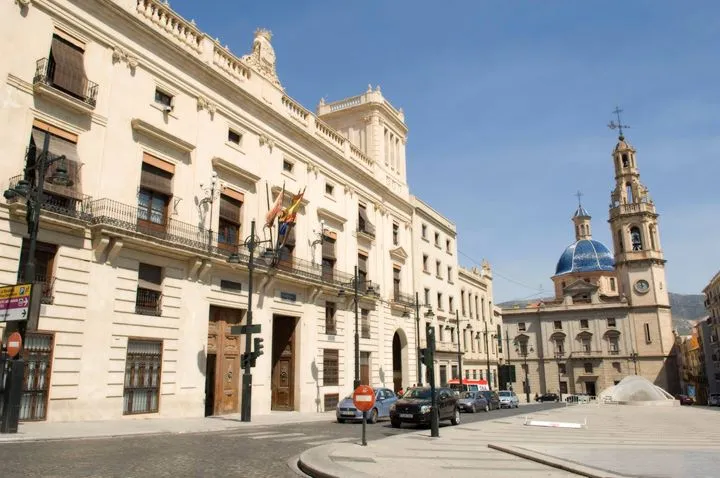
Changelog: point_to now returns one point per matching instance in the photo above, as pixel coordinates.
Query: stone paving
(617, 441)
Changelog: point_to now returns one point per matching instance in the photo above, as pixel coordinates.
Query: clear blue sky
(507, 104)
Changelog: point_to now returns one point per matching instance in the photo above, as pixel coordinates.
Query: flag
(291, 212)
(275, 209)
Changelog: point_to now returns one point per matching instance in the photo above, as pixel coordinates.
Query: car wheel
(395, 423)
(487, 407)
(474, 408)
(373, 416)
(455, 420)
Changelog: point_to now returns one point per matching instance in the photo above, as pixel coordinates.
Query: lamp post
(355, 282)
(251, 242)
(459, 351)
(32, 191)
(522, 349)
(210, 194)
(487, 355)
(429, 314)
(634, 358)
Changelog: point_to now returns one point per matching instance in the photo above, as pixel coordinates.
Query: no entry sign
(14, 344)
(364, 398)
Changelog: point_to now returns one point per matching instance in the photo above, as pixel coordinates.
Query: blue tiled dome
(585, 255)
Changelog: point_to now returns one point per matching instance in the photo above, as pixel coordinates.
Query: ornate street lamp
(523, 350)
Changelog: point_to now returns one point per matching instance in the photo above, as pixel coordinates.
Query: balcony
(586, 353)
(59, 207)
(74, 90)
(402, 298)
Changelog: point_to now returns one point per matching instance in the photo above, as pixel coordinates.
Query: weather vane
(619, 126)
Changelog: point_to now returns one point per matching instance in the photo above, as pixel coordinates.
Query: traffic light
(244, 358)
(258, 346)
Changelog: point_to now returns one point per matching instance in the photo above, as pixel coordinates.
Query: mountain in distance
(686, 308)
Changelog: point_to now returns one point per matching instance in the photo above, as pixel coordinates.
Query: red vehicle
(468, 385)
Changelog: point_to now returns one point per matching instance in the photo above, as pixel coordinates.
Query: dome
(585, 255)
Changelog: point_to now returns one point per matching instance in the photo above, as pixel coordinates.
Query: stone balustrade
(230, 64)
(172, 24)
(346, 103)
(360, 157)
(295, 109)
(329, 134)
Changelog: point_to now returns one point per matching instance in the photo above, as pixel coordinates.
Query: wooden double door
(223, 372)
(283, 363)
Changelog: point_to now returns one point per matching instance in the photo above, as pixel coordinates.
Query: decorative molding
(205, 104)
(20, 84)
(146, 128)
(399, 254)
(235, 170)
(264, 139)
(120, 54)
(275, 190)
(380, 209)
(262, 57)
(323, 212)
(23, 3)
(312, 168)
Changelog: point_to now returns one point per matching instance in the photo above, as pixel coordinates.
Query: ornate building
(610, 316)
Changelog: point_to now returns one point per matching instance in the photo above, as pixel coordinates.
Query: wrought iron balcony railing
(77, 207)
(403, 298)
(148, 302)
(75, 84)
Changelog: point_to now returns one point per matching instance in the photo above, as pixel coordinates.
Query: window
(454, 371)
(625, 161)
(396, 282)
(288, 166)
(611, 322)
(475, 374)
(648, 339)
(439, 301)
(462, 302)
(636, 239)
(396, 234)
(612, 284)
(330, 324)
(331, 359)
(163, 99)
(362, 271)
(447, 246)
(44, 267)
(467, 374)
(365, 323)
(559, 347)
(614, 345)
(563, 387)
(286, 252)
(234, 137)
(588, 367)
(521, 326)
(523, 348)
(65, 67)
(427, 297)
(61, 143)
(438, 266)
(425, 263)
(424, 231)
(451, 304)
(364, 225)
(330, 401)
(155, 192)
(328, 258)
(562, 368)
(143, 364)
(586, 344)
(584, 324)
(365, 368)
(437, 239)
(621, 245)
(329, 189)
(231, 286)
(148, 297)
(557, 324)
(229, 225)
(449, 275)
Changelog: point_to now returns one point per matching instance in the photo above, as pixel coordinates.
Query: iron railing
(45, 74)
(148, 302)
(75, 207)
(403, 298)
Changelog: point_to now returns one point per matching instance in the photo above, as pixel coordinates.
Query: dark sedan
(492, 398)
(472, 402)
(548, 397)
(415, 407)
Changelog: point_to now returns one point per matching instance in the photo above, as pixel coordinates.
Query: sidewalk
(47, 431)
(618, 441)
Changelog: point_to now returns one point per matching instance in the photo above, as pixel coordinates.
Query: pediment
(152, 131)
(580, 287)
(399, 254)
(234, 169)
(328, 214)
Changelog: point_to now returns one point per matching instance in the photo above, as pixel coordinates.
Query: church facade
(610, 316)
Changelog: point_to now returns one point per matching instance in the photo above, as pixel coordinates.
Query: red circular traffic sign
(364, 398)
(14, 344)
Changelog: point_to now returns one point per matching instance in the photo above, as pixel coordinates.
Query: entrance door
(365, 368)
(222, 385)
(590, 388)
(397, 362)
(283, 363)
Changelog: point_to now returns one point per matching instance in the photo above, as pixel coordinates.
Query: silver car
(508, 399)
(472, 402)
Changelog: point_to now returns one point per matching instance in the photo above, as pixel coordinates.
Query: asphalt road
(256, 452)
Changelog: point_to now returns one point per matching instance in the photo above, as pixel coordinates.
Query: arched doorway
(399, 358)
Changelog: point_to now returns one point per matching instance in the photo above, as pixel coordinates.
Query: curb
(554, 462)
(316, 463)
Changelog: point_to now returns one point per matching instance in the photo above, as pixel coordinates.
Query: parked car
(548, 397)
(384, 399)
(714, 400)
(472, 402)
(492, 398)
(685, 399)
(508, 399)
(415, 407)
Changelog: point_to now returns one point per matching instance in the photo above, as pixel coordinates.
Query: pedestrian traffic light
(258, 346)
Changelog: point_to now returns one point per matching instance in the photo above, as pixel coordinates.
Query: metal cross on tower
(579, 195)
(619, 126)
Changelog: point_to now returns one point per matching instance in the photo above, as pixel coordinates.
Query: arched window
(621, 246)
(625, 160)
(577, 231)
(636, 239)
(629, 193)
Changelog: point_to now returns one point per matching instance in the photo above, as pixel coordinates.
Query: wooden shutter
(362, 263)
(290, 241)
(328, 248)
(150, 277)
(369, 228)
(230, 209)
(156, 179)
(60, 146)
(69, 67)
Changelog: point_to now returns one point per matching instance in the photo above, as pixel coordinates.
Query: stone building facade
(164, 148)
(610, 316)
(712, 342)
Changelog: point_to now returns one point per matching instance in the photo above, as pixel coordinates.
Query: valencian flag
(275, 209)
(287, 218)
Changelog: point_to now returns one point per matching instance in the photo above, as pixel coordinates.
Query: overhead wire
(539, 290)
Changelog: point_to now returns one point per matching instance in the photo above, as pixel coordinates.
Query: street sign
(14, 344)
(364, 398)
(15, 302)
(245, 329)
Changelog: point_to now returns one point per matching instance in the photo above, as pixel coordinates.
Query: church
(610, 316)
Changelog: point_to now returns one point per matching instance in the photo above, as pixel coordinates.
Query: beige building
(173, 145)
(610, 316)
(712, 344)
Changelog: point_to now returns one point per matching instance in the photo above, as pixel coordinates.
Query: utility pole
(245, 412)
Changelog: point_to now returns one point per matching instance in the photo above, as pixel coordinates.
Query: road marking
(334, 440)
(275, 435)
(302, 438)
(246, 434)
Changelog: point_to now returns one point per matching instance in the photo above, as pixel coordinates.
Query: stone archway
(399, 358)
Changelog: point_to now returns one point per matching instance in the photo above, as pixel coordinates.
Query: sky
(507, 103)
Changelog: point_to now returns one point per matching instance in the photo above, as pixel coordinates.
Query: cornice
(224, 164)
(148, 129)
(321, 211)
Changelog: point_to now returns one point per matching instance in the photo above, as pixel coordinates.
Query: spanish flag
(291, 212)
